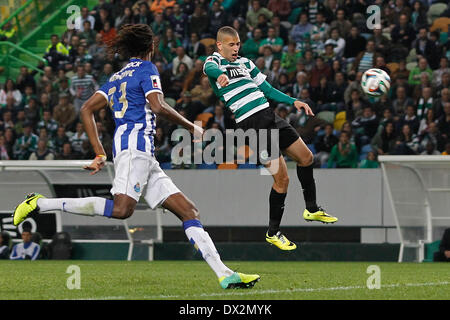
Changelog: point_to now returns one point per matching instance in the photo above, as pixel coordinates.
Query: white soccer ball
(375, 82)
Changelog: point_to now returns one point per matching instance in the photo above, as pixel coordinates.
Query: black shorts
(269, 146)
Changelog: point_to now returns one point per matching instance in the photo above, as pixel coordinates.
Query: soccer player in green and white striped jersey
(244, 90)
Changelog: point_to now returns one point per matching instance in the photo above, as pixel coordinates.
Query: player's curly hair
(132, 40)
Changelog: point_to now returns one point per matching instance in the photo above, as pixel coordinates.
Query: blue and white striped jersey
(21, 250)
(126, 93)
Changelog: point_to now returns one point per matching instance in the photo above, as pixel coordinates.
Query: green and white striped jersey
(242, 95)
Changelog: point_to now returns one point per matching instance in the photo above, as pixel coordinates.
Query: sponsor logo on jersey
(235, 72)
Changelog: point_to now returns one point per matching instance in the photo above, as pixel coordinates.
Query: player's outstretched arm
(95, 103)
(161, 108)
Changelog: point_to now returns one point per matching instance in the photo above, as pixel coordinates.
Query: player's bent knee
(123, 212)
(283, 182)
(307, 160)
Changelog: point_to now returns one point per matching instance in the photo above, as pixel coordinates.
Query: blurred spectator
(415, 73)
(430, 149)
(144, 16)
(26, 250)
(98, 52)
(88, 33)
(410, 118)
(254, 12)
(82, 87)
(4, 155)
(218, 18)
(324, 144)
(4, 245)
(382, 43)
(126, 17)
(407, 142)
(108, 32)
(24, 79)
(365, 60)
(65, 113)
(437, 74)
(106, 73)
(250, 48)
(59, 140)
(158, 6)
(302, 29)
(355, 43)
(179, 21)
(162, 147)
(370, 162)
(56, 53)
(281, 8)
(321, 69)
(48, 123)
(444, 248)
(401, 101)
(10, 90)
(66, 153)
(7, 32)
(341, 23)
(343, 154)
(78, 138)
(444, 122)
(426, 48)
(168, 45)
(42, 152)
(337, 41)
(199, 21)
(32, 112)
(85, 16)
(26, 144)
(355, 107)
(203, 92)
(365, 127)
(181, 57)
(384, 141)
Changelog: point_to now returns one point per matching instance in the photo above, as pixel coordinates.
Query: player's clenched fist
(223, 80)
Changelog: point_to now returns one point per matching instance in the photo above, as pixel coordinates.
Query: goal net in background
(67, 179)
(419, 192)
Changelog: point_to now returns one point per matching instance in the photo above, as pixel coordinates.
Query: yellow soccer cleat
(26, 207)
(281, 241)
(239, 280)
(320, 215)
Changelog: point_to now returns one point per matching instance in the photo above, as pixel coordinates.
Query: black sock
(306, 177)
(276, 206)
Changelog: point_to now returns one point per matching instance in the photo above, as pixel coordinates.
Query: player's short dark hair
(132, 40)
(227, 31)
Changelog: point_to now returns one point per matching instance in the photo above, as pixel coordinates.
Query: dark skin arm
(161, 108)
(94, 104)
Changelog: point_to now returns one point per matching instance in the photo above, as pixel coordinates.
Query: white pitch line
(259, 292)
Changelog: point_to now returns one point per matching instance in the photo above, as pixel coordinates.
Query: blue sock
(109, 205)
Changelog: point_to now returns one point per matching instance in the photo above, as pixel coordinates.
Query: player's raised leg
(299, 152)
(121, 207)
(186, 211)
(277, 196)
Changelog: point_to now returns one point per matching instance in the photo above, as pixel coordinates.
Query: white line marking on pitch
(258, 292)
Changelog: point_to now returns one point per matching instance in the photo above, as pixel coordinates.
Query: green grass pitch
(193, 280)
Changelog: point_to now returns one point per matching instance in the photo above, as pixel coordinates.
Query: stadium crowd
(313, 50)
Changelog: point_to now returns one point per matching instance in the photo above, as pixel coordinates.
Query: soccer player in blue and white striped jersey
(127, 93)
